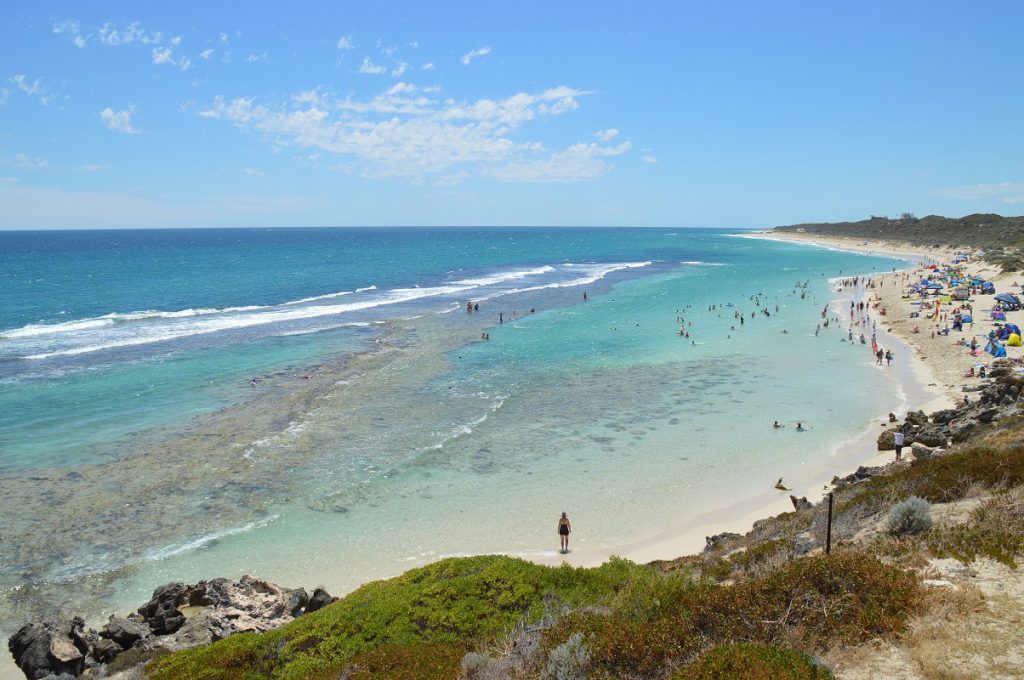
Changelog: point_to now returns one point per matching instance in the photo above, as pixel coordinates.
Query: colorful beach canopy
(1008, 298)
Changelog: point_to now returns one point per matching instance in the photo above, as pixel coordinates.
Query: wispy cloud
(1005, 192)
(262, 56)
(371, 68)
(253, 172)
(406, 131)
(165, 55)
(112, 35)
(25, 162)
(206, 54)
(650, 159)
(35, 88)
(400, 69)
(71, 30)
(473, 54)
(345, 43)
(119, 121)
(607, 135)
(429, 66)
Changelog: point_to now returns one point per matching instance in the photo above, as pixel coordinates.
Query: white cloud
(29, 163)
(71, 30)
(93, 167)
(1004, 192)
(607, 135)
(35, 89)
(400, 69)
(165, 55)
(371, 68)
(256, 57)
(119, 121)
(253, 172)
(404, 131)
(113, 36)
(413, 44)
(206, 54)
(224, 38)
(429, 66)
(650, 159)
(473, 54)
(345, 43)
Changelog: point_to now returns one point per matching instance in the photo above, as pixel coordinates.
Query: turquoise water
(382, 431)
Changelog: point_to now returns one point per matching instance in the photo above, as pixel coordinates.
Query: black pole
(828, 533)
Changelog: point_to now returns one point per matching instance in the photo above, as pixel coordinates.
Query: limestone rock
(712, 543)
(801, 504)
(161, 612)
(124, 632)
(44, 649)
(887, 440)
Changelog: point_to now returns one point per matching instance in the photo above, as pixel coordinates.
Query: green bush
(912, 516)
(406, 662)
(753, 662)
(446, 602)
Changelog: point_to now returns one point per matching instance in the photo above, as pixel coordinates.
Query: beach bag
(1013, 340)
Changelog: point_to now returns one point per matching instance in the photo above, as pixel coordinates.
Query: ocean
(318, 407)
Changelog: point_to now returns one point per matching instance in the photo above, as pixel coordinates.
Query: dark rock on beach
(801, 504)
(216, 609)
(930, 435)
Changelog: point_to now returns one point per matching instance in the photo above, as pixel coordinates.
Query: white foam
(195, 544)
(506, 276)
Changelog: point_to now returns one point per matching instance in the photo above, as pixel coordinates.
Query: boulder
(886, 440)
(917, 418)
(106, 650)
(920, 451)
(124, 632)
(987, 415)
(801, 504)
(296, 602)
(944, 416)
(930, 435)
(45, 649)
(161, 612)
(961, 428)
(712, 543)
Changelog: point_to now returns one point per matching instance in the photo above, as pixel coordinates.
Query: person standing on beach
(897, 440)
(564, 529)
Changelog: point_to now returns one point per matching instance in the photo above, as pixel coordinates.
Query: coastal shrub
(753, 662)
(473, 663)
(649, 595)
(626, 648)
(825, 599)
(568, 661)
(912, 516)
(442, 603)
(405, 662)
(995, 530)
(764, 553)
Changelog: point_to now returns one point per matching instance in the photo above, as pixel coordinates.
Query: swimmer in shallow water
(777, 425)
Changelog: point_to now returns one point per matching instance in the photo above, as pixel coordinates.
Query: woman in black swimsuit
(563, 531)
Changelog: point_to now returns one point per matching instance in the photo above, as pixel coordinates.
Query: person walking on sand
(564, 529)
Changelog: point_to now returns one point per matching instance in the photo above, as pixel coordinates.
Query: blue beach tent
(988, 288)
(996, 349)
(934, 286)
(967, 318)
(1008, 298)
(1013, 328)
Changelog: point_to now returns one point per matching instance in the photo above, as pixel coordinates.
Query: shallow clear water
(382, 432)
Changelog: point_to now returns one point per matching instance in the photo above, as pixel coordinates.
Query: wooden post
(828, 532)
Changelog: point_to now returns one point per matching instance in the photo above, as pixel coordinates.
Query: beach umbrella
(934, 286)
(1008, 298)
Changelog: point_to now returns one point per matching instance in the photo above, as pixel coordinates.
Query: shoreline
(913, 381)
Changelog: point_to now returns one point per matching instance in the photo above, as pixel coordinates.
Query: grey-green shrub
(911, 516)
(473, 663)
(568, 661)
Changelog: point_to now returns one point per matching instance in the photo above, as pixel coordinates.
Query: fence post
(828, 533)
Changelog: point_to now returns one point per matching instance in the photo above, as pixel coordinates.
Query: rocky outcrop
(887, 440)
(930, 435)
(716, 541)
(801, 504)
(178, 616)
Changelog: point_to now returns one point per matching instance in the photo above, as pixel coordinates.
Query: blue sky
(718, 114)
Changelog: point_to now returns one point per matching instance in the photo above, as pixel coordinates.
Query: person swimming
(800, 427)
(777, 425)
